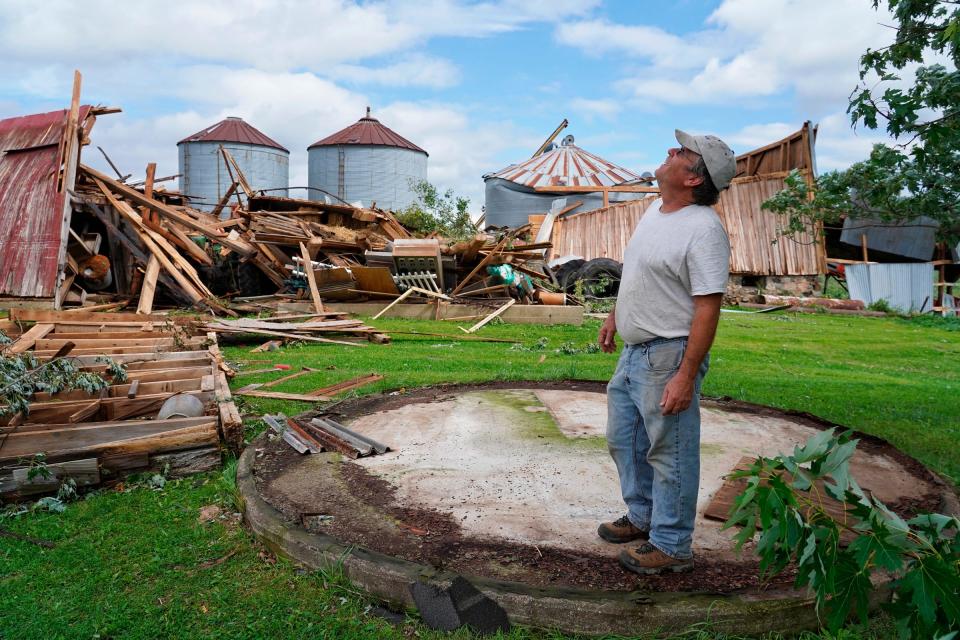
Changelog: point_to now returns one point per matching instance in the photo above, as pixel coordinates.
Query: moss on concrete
(533, 419)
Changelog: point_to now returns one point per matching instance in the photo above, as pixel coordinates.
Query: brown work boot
(648, 560)
(621, 530)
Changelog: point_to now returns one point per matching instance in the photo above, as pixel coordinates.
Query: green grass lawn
(139, 563)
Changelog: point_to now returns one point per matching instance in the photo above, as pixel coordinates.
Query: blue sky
(477, 84)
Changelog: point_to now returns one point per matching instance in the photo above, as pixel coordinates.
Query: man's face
(677, 168)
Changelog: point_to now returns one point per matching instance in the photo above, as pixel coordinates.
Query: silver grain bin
(368, 163)
(204, 175)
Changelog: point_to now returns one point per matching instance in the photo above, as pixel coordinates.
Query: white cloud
(596, 108)
(748, 48)
(298, 34)
(414, 70)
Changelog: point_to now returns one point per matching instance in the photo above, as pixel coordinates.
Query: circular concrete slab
(507, 486)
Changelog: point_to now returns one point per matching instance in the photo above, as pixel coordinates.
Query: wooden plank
(116, 391)
(483, 263)
(69, 158)
(125, 437)
(224, 201)
(293, 336)
(240, 246)
(30, 338)
(107, 335)
(60, 411)
(84, 472)
(291, 376)
(311, 278)
(277, 395)
(723, 500)
(346, 385)
(596, 189)
(148, 238)
(135, 387)
(149, 286)
(82, 413)
(55, 342)
(493, 315)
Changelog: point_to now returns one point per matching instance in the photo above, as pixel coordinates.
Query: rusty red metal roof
(566, 165)
(234, 129)
(31, 209)
(368, 131)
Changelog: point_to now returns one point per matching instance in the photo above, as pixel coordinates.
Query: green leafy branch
(784, 505)
(22, 376)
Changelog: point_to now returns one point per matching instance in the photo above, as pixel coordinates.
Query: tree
(918, 175)
(443, 213)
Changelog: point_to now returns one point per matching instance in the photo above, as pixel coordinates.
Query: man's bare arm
(678, 394)
(607, 331)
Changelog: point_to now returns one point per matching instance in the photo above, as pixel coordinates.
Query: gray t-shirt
(670, 258)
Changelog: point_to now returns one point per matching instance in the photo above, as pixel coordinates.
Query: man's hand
(677, 395)
(607, 331)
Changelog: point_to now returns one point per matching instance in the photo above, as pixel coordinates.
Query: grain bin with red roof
(368, 163)
(204, 174)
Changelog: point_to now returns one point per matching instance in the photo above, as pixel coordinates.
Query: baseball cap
(719, 158)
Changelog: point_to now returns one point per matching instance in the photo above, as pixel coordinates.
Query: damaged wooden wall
(756, 244)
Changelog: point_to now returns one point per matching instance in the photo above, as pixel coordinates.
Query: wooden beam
(240, 246)
(493, 315)
(149, 287)
(624, 188)
(477, 269)
(311, 278)
(29, 339)
(277, 395)
(224, 200)
(68, 159)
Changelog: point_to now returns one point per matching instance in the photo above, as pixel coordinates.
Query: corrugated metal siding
(905, 286)
(605, 233)
(31, 210)
(371, 174)
(205, 176)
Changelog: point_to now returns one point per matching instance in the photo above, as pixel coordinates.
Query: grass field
(139, 563)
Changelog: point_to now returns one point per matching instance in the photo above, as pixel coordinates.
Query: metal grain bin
(204, 175)
(368, 163)
(511, 193)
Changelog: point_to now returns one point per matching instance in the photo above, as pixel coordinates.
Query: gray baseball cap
(719, 158)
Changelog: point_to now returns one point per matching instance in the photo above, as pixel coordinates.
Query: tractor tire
(566, 274)
(601, 278)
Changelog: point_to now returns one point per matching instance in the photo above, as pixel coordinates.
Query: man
(675, 270)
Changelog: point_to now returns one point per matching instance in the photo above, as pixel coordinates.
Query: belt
(653, 341)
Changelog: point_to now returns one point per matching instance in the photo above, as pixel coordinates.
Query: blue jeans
(657, 456)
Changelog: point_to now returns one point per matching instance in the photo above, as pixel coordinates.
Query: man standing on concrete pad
(675, 270)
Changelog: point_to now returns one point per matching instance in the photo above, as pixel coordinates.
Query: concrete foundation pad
(506, 486)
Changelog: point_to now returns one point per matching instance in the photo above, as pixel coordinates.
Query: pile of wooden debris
(85, 238)
(173, 413)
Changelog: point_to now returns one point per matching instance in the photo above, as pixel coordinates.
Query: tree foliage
(783, 503)
(435, 212)
(919, 106)
(22, 376)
